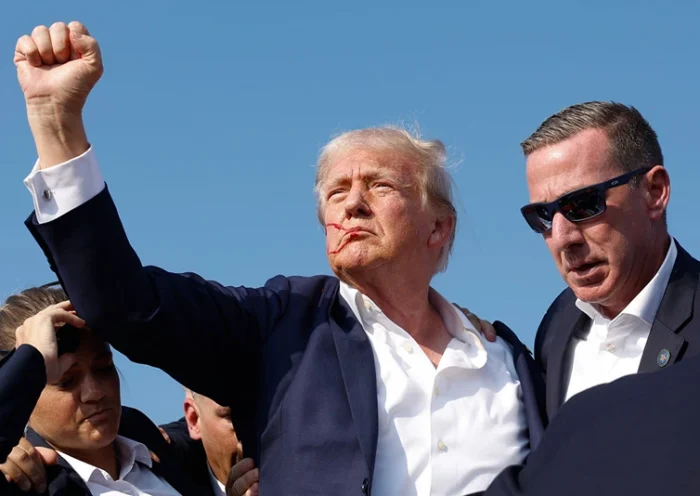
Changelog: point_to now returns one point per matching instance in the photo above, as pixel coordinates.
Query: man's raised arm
(199, 332)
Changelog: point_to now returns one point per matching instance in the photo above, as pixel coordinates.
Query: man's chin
(595, 294)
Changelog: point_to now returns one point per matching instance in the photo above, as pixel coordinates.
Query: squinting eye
(333, 193)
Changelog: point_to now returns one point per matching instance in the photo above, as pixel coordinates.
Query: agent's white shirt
(613, 348)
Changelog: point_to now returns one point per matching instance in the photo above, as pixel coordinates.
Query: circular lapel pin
(663, 357)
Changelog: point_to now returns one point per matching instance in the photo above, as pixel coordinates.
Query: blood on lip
(352, 233)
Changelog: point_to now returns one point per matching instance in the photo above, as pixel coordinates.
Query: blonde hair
(429, 157)
(21, 306)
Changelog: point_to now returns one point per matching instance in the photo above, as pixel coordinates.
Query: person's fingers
(242, 484)
(165, 435)
(59, 315)
(48, 456)
(32, 465)
(42, 38)
(27, 50)
(241, 477)
(59, 41)
(488, 330)
(254, 490)
(15, 475)
(64, 305)
(78, 27)
(240, 468)
(483, 326)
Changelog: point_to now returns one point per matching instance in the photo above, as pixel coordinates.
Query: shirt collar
(455, 322)
(645, 305)
(217, 486)
(128, 451)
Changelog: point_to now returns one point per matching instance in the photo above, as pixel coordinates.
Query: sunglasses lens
(582, 205)
(538, 218)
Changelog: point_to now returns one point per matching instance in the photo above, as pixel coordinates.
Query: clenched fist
(58, 66)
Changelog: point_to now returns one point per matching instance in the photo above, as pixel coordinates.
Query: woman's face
(82, 411)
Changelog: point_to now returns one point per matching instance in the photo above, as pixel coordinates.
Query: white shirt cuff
(59, 189)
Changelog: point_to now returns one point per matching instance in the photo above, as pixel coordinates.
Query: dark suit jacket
(290, 358)
(637, 436)
(23, 377)
(676, 329)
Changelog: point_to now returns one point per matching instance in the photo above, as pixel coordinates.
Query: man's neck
(220, 471)
(403, 296)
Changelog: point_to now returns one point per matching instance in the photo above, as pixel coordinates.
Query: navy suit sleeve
(198, 331)
(22, 379)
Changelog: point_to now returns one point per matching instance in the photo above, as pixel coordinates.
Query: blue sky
(210, 115)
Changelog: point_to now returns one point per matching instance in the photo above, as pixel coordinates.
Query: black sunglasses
(576, 206)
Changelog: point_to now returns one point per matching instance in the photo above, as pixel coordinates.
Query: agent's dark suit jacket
(290, 358)
(676, 329)
(637, 436)
(22, 378)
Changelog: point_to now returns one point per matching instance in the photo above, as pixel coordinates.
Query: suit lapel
(665, 345)
(357, 367)
(573, 324)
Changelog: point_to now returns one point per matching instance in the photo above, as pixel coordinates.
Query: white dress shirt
(447, 430)
(444, 431)
(216, 485)
(613, 348)
(135, 475)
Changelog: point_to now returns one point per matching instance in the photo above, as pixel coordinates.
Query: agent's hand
(39, 331)
(25, 466)
(244, 478)
(483, 326)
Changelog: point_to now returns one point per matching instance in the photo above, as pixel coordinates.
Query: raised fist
(58, 66)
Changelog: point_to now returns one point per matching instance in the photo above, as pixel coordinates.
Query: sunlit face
(211, 422)
(374, 214)
(82, 411)
(601, 258)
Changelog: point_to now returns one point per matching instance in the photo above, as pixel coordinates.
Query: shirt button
(368, 305)
(47, 194)
(408, 347)
(610, 347)
(442, 446)
(436, 391)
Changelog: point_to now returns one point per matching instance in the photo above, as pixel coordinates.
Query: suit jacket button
(365, 486)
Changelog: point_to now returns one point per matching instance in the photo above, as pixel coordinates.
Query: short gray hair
(633, 142)
(428, 156)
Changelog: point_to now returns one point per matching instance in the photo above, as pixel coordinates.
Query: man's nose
(565, 233)
(356, 202)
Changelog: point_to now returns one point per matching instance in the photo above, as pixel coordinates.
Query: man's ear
(442, 230)
(192, 418)
(658, 191)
